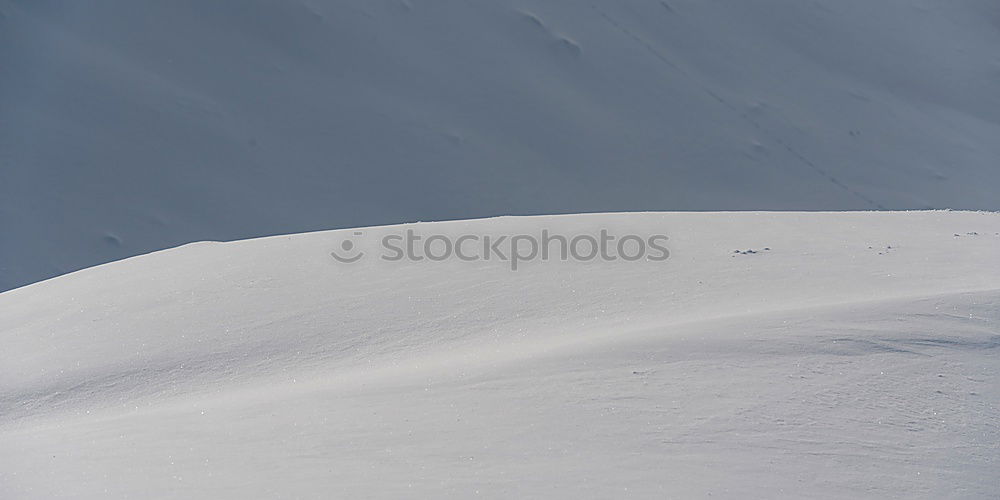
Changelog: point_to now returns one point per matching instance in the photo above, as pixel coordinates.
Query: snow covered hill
(127, 127)
(851, 355)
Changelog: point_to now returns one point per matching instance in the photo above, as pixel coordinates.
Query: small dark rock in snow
(749, 251)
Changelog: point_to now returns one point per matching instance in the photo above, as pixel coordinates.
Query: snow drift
(857, 357)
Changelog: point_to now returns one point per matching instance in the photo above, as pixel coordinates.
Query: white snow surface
(857, 358)
(128, 127)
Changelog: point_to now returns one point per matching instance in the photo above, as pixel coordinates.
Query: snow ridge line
(144, 389)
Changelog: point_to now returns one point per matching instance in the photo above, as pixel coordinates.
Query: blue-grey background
(130, 126)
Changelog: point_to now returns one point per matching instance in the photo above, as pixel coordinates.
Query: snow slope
(127, 127)
(830, 366)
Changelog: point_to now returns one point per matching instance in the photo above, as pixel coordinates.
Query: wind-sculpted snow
(128, 127)
(856, 357)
